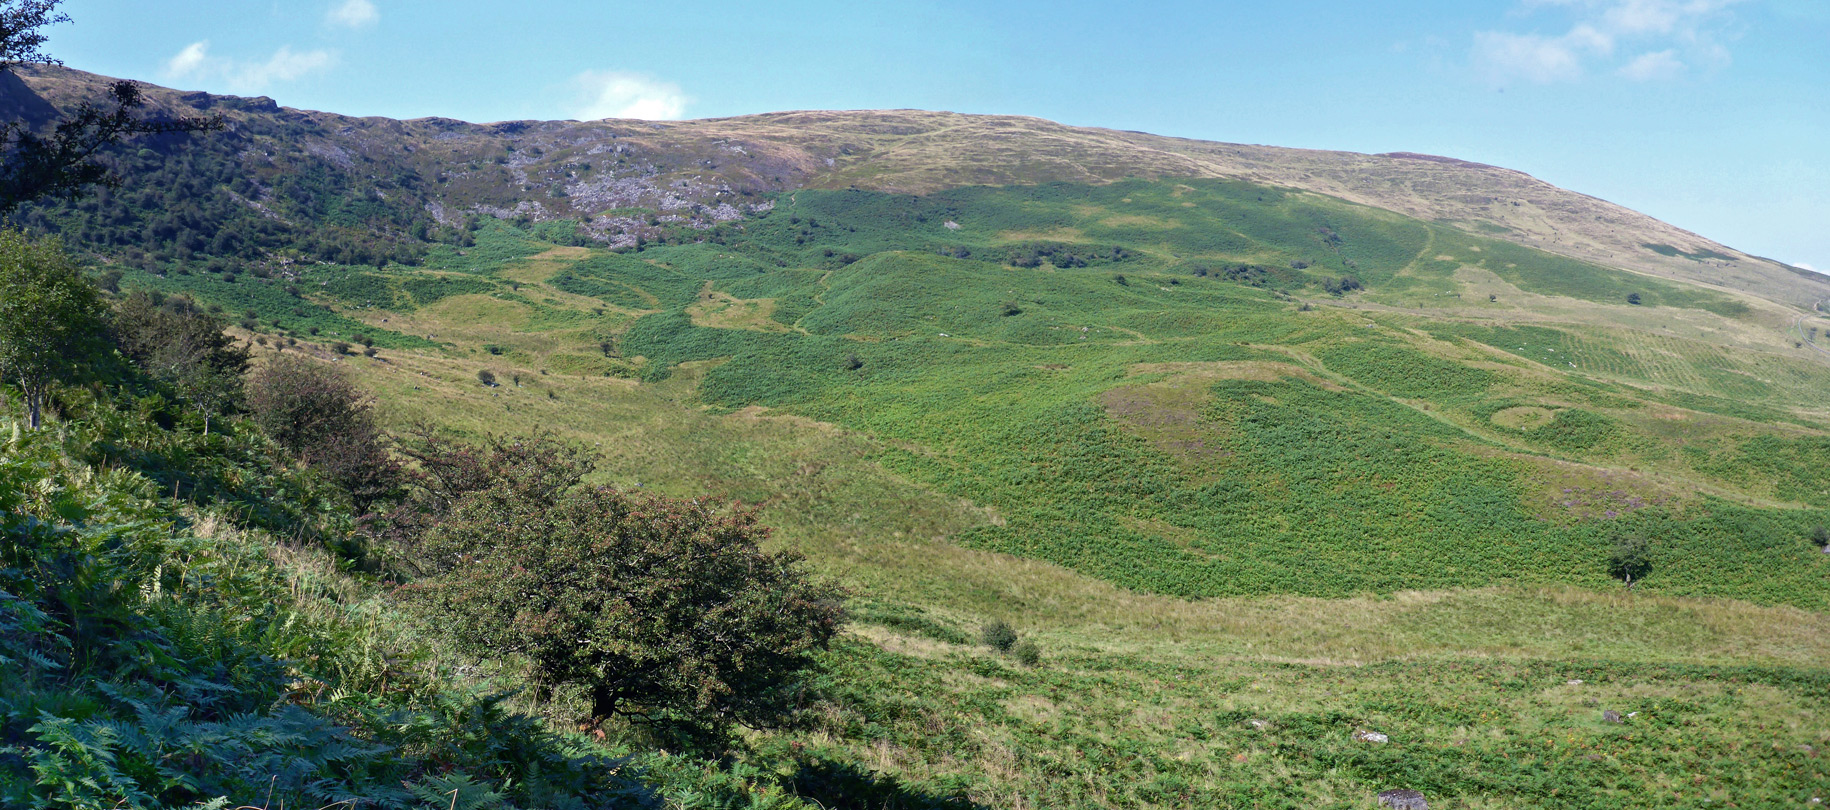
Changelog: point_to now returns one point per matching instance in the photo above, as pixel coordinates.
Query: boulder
(1403, 800)
(1363, 735)
(1612, 716)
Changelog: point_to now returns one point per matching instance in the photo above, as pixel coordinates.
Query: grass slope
(1133, 420)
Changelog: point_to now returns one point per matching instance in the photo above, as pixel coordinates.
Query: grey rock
(1363, 735)
(1612, 716)
(1403, 800)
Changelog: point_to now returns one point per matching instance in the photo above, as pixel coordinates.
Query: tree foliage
(666, 612)
(1631, 558)
(50, 317)
(183, 345)
(314, 410)
(37, 162)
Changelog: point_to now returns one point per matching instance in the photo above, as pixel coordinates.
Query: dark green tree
(1631, 559)
(666, 612)
(183, 345)
(314, 410)
(50, 318)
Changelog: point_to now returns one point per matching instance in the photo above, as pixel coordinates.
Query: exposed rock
(1258, 724)
(1612, 716)
(1403, 800)
(1575, 682)
(1363, 735)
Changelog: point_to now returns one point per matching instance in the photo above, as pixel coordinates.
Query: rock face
(1403, 800)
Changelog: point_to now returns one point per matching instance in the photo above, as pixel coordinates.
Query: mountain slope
(1257, 468)
(621, 174)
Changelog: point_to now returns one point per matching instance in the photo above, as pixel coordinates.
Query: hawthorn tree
(180, 343)
(1631, 559)
(50, 318)
(314, 410)
(665, 612)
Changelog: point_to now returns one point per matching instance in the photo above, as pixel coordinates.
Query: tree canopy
(664, 611)
(50, 317)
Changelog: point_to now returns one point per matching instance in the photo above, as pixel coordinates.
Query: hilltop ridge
(699, 171)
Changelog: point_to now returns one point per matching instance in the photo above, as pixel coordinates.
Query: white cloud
(1539, 58)
(1811, 268)
(614, 94)
(1656, 65)
(1669, 35)
(188, 61)
(237, 76)
(353, 14)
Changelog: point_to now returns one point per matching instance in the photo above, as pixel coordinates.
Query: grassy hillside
(366, 189)
(1149, 383)
(1254, 469)
(1396, 505)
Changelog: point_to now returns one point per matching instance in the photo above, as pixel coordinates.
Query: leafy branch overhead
(36, 161)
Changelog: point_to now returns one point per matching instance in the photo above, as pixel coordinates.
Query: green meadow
(1254, 469)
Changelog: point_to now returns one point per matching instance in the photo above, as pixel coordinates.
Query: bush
(315, 411)
(998, 635)
(1027, 653)
(486, 377)
(1631, 559)
(665, 611)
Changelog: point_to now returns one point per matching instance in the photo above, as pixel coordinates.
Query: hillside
(1261, 447)
(607, 174)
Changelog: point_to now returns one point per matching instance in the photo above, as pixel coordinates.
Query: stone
(1576, 682)
(1403, 800)
(1261, 725)
(1363, 735)
(1612, 716)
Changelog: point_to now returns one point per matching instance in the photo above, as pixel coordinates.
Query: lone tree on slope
(1631, 559)
(50, 317)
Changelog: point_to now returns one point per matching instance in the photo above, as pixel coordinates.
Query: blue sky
(1710, 114)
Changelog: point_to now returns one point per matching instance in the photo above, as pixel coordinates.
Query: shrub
(1820, 537)
(665, 611)
(1027, 653)
(179, 343)
(1633, 298)
(1631, 558)
(998, 635)
(340, 347)
(486, 377)
(315, 411)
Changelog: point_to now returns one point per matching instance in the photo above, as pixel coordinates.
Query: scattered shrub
(1631, 558)
(998, 635)
(1027, 653)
